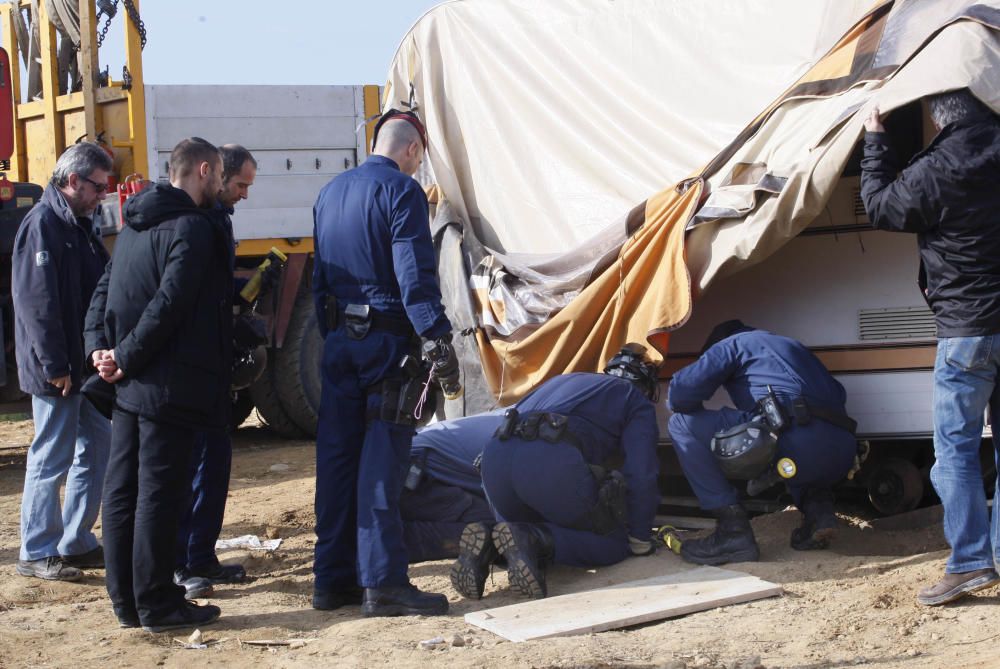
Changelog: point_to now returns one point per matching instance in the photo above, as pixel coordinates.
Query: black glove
(444, 365)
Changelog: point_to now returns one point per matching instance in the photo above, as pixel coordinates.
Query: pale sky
(257, 42)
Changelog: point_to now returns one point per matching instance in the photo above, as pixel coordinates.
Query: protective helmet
(631, 364)
(745, 451)
(248, 365)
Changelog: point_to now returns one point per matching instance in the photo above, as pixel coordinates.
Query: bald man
(377, 295)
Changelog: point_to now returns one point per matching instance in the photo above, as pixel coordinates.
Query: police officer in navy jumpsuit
(746, 362)
(444, 491)
(552, 496)
(376, 288)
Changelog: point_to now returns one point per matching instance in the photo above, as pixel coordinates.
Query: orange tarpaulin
(640, 297)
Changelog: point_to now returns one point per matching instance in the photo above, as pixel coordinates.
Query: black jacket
(57, 262)
(165, 306)
(949, 194)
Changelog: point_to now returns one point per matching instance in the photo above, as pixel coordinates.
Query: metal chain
(107, 24)
(133, 14)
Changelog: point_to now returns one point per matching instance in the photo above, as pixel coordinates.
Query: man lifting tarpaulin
(765, 187)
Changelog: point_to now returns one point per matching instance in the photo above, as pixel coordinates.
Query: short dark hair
(189, 153)
(234, 157)
(82, 158)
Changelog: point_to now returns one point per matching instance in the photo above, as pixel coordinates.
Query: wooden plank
(623, 605)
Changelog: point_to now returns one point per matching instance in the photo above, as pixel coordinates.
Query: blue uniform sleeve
(189, 257)
(35, 280)
(641, 467)
(415, 264)
(319, 287)
(697, 382)
(904, 204)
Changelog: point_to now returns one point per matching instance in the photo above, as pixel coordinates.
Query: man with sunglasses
(57, 261)
(376, 291)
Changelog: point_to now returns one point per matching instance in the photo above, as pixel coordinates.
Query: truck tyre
(269, 408)
(299, 382)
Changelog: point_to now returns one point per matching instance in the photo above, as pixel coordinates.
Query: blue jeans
(965, 383)
(71, 444)
(201, 523)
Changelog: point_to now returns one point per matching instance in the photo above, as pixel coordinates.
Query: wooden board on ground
(623, 605)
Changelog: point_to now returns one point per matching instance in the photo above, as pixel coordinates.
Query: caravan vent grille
(896, 323)
(859, 206)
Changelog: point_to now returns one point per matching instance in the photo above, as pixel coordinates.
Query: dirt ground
(850, 606)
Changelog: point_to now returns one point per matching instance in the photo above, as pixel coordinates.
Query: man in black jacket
(159, 327)
(949, 195)
(57, 261)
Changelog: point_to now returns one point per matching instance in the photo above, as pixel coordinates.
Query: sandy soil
(850, 606)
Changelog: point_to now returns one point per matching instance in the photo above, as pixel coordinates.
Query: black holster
(401, 395)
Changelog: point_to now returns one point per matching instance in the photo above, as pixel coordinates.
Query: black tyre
(895, 486)
(269, 407)
(298, 381)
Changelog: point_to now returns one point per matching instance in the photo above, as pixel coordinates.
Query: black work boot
(476, 554)
(732, 540)
(403, 600)
(528, 550)
(330, 600)
(819, 524)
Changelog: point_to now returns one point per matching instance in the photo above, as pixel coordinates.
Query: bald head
(401, 142)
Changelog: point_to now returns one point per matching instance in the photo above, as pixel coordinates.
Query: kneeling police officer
(546, 479)
(789, 425)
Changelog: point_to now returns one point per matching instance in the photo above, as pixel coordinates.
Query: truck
(301, 137)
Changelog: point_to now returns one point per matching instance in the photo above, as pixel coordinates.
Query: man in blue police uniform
(547, 479)
(376, 290)
(443, 491)
(789, 416)
(198, 568)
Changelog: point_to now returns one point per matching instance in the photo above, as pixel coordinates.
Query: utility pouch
(552, 427)
(506, 429)
(330, 315)
(416, 472)
(357, 321)
(800, 411)
(770, 409)
(528, 428)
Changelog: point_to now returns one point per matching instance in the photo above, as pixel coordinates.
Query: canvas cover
(592, 157)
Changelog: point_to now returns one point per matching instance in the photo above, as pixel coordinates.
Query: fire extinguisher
(129, 186)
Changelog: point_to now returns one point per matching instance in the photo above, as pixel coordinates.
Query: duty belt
(802, 411)
(550, 427)
(335, 316)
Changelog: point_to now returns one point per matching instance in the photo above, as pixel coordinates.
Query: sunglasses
(99, 187)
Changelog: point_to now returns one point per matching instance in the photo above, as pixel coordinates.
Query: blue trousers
(434, 516)
(965, 382)
(552, 485)
(71, 445)
(360, 467)
(201, 524)
(822, 453)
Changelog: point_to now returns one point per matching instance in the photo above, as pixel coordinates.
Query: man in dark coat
(547, 476)
(159, 327)
(816, 448)
(198, 567)
(949, 196)
(58, 259)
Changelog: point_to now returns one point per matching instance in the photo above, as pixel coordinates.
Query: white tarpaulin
(550, 120)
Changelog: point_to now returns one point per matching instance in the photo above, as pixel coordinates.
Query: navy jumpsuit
(552, 483)
(450, 494)
(373, 247)
(746, 364)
